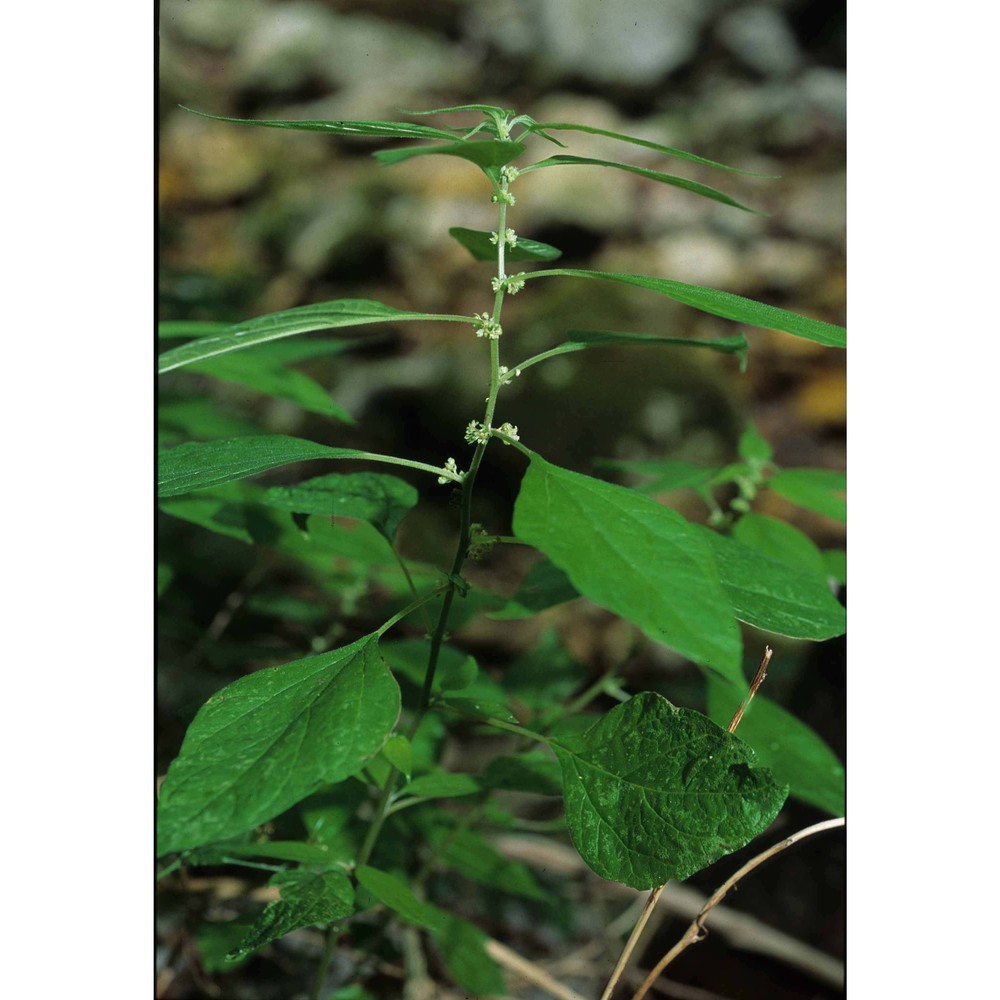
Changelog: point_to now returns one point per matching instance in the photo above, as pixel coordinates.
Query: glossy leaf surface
(307, 898)
(655, 792)
(268, 740)
(287, 323)
(477, 242)
(718, 303)
(633, 557)
(694, 187)
(381, 500)
(485, 153)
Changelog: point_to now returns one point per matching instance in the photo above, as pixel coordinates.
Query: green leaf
(475, 858)
(391, 130)
(544, 587)
(268, 740)
(477, 708)
(781, 542)
(462, 945)
(164, 577)
(173, 329)
(667, 473)
(633, 557)
(259, 374)
(835, 561)
(772, 595)
(753, 448)
(795, 754)
(442, 785)
(217, 940)
(668, 150)
(201, 419)
(301, 319)
(716, 303)
(398, 752)
(655, 792)
(533, 772)
(307, 898)
(487, 109)
(544, 677)
(455, 670)
(381, 500)
(484, 153)
(478, 244)
(581, 339)
(694, 187)
(821, 490)
(282, 850)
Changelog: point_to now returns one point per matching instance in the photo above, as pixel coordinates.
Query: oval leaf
(781, 542)
(821, 490)
(655, 175)
(655, 792)
(631, 556)
(270, 739)
(716, 303)
(478, 244)
(302, 319)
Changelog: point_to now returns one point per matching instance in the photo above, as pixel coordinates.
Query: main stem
(461, 551)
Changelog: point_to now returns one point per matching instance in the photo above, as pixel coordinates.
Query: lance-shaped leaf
(462, 945)
(484, 153)
(646, 143)
(264, 376)
(173, 329)
(390, 130)
(655, 792)
(268, 740)
(821, 490)
(781, 542)
(694, 187)
(383, 501)
(302, 319)
(795, 754)
(581, 340)
(200, 465)
(772, 595)
(717, 303)
(632, 556)
(307, 898)
(478, 243)
(487, 109)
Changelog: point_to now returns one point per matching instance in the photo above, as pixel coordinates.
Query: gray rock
(760, 38)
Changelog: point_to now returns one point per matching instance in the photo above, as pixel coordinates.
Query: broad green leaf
(381, 500)
(716, 303)
(774, 596)
(216, 940)
(478, 244)
(796, 755)
(668, 150)
(667, 473)
(398, 752)
(329, 818)
(200, 465)
(753, 448)
(408, 657)
(287, 607)
(390, 130)
(301, 319)
(442, 785)
(633, 557)
(268, 740)
(484, 153)
(835, 561)
(475, 858)
(261, 375)
(533, 772)
(821, 490)
(655, 792)
(694, 187)
(307, 898)
(544, 587)
(462, 945)
(780, 541)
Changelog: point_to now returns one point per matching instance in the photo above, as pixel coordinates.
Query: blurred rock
(817, 206)
(214, 24)
(760, 38)
(699, 258)
(786, 264)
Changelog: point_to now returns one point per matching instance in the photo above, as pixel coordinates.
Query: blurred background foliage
(258, 220)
